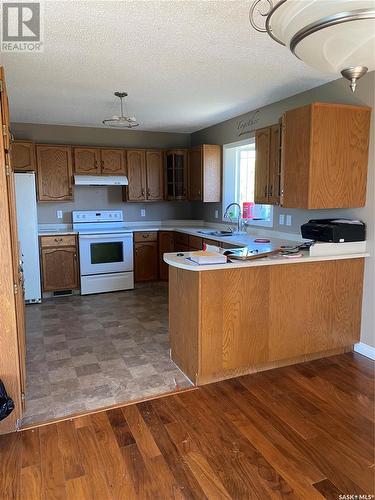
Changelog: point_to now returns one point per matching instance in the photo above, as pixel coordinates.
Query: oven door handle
(105, 236)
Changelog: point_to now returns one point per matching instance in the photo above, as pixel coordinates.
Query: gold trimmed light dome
(332, 36)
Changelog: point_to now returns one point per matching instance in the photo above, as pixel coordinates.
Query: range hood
(100, 180)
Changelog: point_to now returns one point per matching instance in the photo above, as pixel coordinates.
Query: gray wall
(244, 126)
(91, 136)
(105, 198)
(110, 198)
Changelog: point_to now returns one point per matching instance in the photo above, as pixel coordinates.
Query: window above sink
(239, 182)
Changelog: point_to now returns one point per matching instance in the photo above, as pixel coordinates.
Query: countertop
(170, 225)
(182, 263)
(197, 228)
(189, 227)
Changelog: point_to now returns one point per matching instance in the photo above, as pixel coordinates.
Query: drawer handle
(145, 235)
(58, 240)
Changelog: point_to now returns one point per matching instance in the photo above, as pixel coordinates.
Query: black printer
(334, 230)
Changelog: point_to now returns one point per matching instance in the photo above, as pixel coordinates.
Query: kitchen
(163, 253)
(99, 251)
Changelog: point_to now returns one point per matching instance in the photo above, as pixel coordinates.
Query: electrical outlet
(216, 214)
(288, 220)
(281, 219)
(143, 212)
(59, 214)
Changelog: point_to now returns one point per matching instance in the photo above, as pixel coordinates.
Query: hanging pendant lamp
(121, 121)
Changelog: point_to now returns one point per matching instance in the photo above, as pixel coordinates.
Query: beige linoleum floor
(87, 352)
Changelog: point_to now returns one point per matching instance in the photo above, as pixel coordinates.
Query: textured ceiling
(185, 64)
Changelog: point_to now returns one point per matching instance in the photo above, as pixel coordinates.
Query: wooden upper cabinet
(154, 175)
(87, 161)
(195, 173)
(112, 161)
(22, 156)
(324, 156)
(262, 164)
(96, 161)
(204, 173)
(136, 190)
(274, 166)
(145, 175)
(211, 167)
(54, 173)
(267, 165)
(176, 174)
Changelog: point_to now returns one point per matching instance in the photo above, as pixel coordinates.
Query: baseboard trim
(365, 349)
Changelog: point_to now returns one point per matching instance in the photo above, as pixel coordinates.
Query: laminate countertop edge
(182, 263)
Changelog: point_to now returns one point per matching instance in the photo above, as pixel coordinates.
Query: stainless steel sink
(216, 233)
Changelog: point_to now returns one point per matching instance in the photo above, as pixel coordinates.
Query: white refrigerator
(27, 226)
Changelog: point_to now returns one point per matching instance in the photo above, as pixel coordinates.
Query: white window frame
(230, 181)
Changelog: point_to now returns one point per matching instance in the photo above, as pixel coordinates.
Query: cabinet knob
(148, 192)
(143, 192)
(265, 191)
(271, 189)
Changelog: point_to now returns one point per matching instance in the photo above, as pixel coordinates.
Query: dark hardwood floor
(304, 431)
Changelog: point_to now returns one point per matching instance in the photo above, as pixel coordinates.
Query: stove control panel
(97, 216)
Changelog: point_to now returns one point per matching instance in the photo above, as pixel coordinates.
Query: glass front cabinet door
(176, 174)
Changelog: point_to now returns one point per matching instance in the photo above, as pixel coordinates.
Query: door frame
(9, 357)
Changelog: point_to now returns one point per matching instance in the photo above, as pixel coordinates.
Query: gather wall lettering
(246, 125)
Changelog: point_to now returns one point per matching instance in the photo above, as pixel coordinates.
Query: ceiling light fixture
(121, 121)
(332, 36)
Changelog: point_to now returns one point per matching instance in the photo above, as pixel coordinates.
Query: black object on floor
(6, 403)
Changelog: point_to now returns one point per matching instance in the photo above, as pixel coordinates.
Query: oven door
(105, 253)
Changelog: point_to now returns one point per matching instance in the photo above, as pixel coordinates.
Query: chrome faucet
(226, 215)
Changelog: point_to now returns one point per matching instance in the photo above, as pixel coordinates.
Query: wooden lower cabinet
(226, 323)
(59, 263)
(195, 242)
(180, 240)
(146, 261)
(166, 245)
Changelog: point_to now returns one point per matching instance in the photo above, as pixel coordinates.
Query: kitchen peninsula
(230, 319)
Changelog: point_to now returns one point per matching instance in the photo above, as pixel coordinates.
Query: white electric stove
(105, 251)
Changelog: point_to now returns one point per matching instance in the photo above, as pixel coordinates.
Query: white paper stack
(322, 248)
(204, 257)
